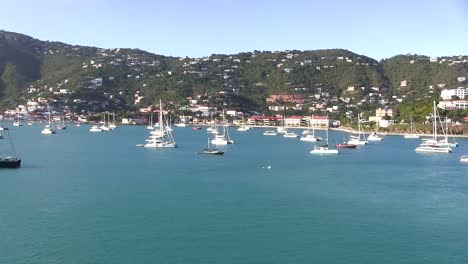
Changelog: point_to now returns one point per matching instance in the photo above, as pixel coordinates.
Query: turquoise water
(81, 197)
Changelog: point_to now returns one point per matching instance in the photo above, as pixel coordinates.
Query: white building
(447, 94)
(453, 105)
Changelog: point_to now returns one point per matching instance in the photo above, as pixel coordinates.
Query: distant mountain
(124, 79)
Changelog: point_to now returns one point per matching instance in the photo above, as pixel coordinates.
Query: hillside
(90, 79)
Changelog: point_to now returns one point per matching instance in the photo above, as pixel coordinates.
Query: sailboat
(445, 141)
(161, 138)
(244, 127)
(48, 129)
(112, 124)
(17, 121)
(411, 134)
(181, 122)
(222, 139)
(3, 126)
(345, 144)
(105, 125)
(8, 158)
(432, 145)
(212, 151)
(309, 135)
(150, 122)
(324, 148)
(62, 124)
(357, 139)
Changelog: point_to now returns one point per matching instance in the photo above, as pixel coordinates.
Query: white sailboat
(357, 139)
(48, 129)
(150, 122)
(222, 139)
(161, 138)
(324, 149)
(112, 124)
(445, 141)
(309, 135)
(17, 122)
(411, 134)
(432, 145)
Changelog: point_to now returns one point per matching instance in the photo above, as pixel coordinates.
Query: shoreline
(348, 130)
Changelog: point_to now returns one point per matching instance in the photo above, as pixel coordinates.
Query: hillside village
(80, 83)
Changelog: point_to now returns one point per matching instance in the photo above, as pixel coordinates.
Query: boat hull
(10, 163)
(428, 149)
(349, 146)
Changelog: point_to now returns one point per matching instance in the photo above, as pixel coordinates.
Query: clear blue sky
(196, 28)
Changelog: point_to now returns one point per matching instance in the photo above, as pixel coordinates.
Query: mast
(435, 122)
(160, 116)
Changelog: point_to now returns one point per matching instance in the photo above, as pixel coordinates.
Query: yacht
(2, 127)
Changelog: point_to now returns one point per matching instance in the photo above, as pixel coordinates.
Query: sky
(197, 28)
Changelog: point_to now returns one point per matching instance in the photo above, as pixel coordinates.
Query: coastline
(345, 129)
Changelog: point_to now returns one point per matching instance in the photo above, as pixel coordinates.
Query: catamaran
(324, 148)
(432, 145)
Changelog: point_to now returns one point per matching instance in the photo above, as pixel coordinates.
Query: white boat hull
(433, 149)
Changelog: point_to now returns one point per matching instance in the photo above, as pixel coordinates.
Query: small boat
(290, 135)
(345, 145)
(464, 158)
(1, 137)
(212, 151)
(281, 130)
(270, 133)
(3, 127)
(196, 128)
(243, 128)
(374, 137)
